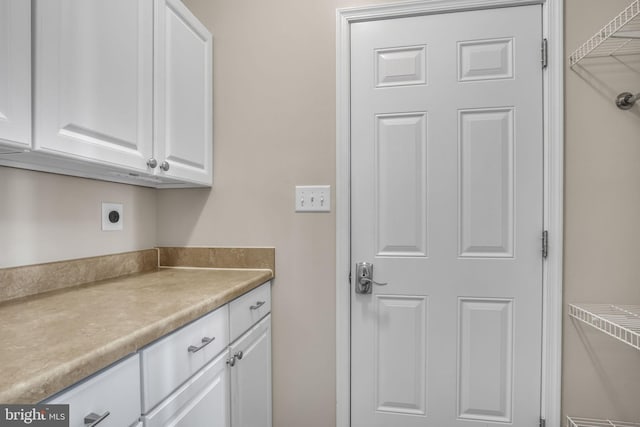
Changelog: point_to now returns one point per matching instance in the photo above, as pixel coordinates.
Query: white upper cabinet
(183, 111)
(93, 80)
(15, 74)
(122, 90)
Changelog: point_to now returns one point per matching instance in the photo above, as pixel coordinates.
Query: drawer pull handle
(258, 305)
(205, 341)
(94, 419)
(239, 355)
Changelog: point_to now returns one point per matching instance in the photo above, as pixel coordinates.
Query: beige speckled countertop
(50, 341)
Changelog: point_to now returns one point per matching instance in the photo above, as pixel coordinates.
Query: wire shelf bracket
(619, 321)
(590, 422)
(621, 36)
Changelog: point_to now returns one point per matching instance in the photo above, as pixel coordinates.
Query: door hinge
(545, 243)
(349, 277)
(545, 53)
(543, 422)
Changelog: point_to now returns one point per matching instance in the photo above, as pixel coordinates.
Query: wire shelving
(621, 36)
(590, 422)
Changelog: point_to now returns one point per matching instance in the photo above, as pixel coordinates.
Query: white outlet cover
(106, 209)
(313, 198)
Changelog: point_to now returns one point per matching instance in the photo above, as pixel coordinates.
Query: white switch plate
(107, 224)
(313, 198)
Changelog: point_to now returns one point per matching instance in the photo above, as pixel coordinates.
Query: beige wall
(46, 217)
(274, 81)
(602, 219)
(274, 127)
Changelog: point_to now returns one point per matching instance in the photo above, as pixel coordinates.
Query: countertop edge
(37, 388)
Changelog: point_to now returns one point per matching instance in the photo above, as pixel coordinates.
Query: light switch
(313, 198)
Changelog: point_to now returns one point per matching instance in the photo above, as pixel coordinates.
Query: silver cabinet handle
(164, 166)
(94, 419)
(152, 163)
(238, 355)
(258, 305)
(205, 342)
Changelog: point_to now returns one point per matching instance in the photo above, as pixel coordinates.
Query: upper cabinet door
(183, 94)
(93, 80)
(15, 73)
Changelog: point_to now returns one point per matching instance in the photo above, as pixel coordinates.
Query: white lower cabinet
(233, 389)
(175, 358)
(200, 402)
(112, 395)
(247, 310)
(192, 377)
(251, 377)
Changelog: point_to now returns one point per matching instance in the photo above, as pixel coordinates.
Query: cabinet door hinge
(545, 53)
(543, 422)
(545, 243)
(349, 277)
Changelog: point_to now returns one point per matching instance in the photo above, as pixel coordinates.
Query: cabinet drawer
(115, 391)
(170, 361)
(249, 309)
(203, 401)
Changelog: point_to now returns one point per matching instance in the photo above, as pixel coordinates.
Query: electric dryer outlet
(112, 216)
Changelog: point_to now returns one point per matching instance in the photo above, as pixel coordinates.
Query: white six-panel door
(446, 193)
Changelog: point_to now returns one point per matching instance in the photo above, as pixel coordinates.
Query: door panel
(201, 401)
(446, 202)
(485, 60)
(183, 95)
(485, 371)
(251, 377)
(485, 180)
(401, 387)
(400, 184)
(401, 66)
(94, 80)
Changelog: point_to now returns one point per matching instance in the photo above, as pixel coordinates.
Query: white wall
(46, 217)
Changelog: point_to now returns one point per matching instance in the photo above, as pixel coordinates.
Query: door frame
(553, 134)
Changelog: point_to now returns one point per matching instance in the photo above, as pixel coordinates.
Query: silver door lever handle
(364, 274)
(365, 280)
